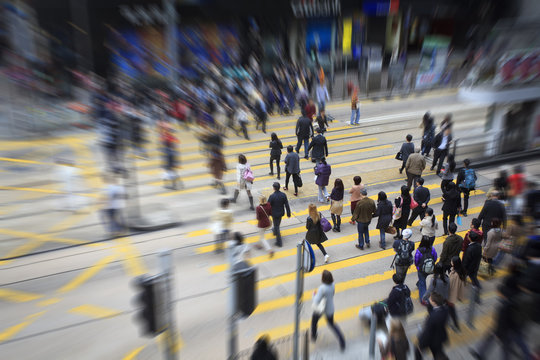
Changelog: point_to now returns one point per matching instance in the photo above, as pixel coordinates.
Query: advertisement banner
(347, 36)
(432, 61)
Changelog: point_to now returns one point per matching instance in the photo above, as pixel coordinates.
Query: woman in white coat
(242, 183)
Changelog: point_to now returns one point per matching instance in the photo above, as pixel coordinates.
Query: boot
(334, 228)
(278, 172)
(251, 203)
(235, 196)
(338, 223)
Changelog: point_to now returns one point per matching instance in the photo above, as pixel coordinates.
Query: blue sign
(309, 257)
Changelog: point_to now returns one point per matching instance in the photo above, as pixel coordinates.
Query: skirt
(336, 207)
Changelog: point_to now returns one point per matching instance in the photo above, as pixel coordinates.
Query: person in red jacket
(475, 227)
(311, 110)
(263, 212)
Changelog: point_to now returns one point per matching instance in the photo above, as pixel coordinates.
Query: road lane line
(48, 302)
(15, 329)
(87, 274)
(18, 296)
(21, 250)
(93, 311)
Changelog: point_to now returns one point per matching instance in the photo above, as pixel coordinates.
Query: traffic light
(246, 294)
(149, 300)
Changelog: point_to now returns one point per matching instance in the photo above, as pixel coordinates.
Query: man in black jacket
(397, 299)
(304, 130)
(279, 203)
(472, 258)
(319, 146)
(407, 148)
(422, 196)
(433, 334)
(442, 144)
(492, 209)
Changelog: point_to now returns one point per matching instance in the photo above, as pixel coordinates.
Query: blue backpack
(470, 179)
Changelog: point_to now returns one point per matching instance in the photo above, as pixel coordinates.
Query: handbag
(390, 230)
(399, 156)
(458, 220)
(297, 180)
(414, 204)
(318, 308)
(248, 175)
(325, 224)
(483, 269)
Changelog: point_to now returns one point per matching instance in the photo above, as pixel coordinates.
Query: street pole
(298, 299)
(233, 332)
(372, 330)
(172, 45)
(345, 78)
(165, 260)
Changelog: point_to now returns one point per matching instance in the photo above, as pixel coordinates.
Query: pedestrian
(492, 209)
(448, 170)
(355, 108)
(404, 248)
(407, 148)
(456, 291)
(422, 196)
(363, 213)
(217, 165)
(311, 110)
(292, 167)
(223, 219)
(397, 346)
(322, 121)
(315, 234)
(451, 206)
(439, 283)
(466, 181)
(260, 113)
(403, 207)
(304, 131)
(325, 293)
(322, 96)
(263, 350)
(169, 141)
(242, 118)
(424, 260)
(441, 145)
(501, 185)
(384, 214)
(356, 195)
(319, 146)
(263, 212)
(517, 184)
(114, 206)
(71, 179)
(447, 122)
(475, 227)
(429, 134)
(279, 203)
(414, 167)
(433, 334)
(491, 246)
(275, 154)
(336, 204)
(243, 180)
(471, 262)
(451, 247)
(322, 172)
(240, 250)
(398, 298)
(429, 225)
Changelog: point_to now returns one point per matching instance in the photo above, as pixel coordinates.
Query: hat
(363, 191)
(407, 233)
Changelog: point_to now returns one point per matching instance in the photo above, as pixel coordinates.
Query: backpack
(427, 265)
(403, 254)
(406, 305)
(470, 179)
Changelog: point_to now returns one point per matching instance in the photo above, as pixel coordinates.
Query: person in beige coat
(491, 247)
(415, 166)
(456, 290)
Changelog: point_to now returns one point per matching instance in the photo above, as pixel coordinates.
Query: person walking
(355, 108)
(322, 121)
(492, 209)
(433, 334)
(260, 113)
(242, 119)
(223, 219)
(491, 246)
(322, 96)
(279, 203)
(356, 195)
(336, 204)
(447, 174)
(363, 213)
(424, 260)
(451, 205)
(319, 146)
(242, 180)
(325, 293)
(384, 215)
(217, 165)
(441, 145)
(404, 249)
(471, 262)
(397, 346)
(429, 225)
(456, 291)
(428, 135)
(114, 205)
(292, 167)
(304, 131)
(466, 181)
(263, 212)
(397, 299)
(315, 234)
(323, 171)
(439, 283)
(451, 247)
(414, 167)
(422, 196)
(403, 206)
(475, 227)
(275, 154)
(407, 148)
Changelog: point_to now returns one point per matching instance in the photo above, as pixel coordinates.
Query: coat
(319, 146)
(427, 228)
(451, 247)
(326, 291)
(279, 203)
(217, 165)
(415, 164)
(315, 234)
(452, 202)
(421, 195)
(494, 238)
(275, 147)
(405, 212)
(396, 300)
(384, 214)
(263, 216)
(472, 258)
(406, 150)
(492, 209)
(364, 211)
(433, 332)
(323, 172)
(438, 286)
(292, 163)
(304, 128)
(456, 292)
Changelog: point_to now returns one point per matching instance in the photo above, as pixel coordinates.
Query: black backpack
(404, 253)
(406, 304)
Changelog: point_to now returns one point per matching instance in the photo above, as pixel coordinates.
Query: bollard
(298, 299)
(372, 330)
(306, 346)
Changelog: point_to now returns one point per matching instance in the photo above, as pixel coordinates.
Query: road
(72, 299)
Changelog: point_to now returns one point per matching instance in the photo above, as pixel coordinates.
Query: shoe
(401, 171)
(338, 229)
(306, 157)
(368, 245)
(334, 229)
(326, 257)
(359, 247)
(445, 234)
(279, 177)
(295, 194)
(464, 213)
(409, 224)
(270, 173)
(431, 168)
(285, 188)
(397, 237)
(271, 254)
(278, 245)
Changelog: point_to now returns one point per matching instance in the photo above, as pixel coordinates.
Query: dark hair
(495, 222)
(274, 137)
(327, 277)
(438, 273)
(458, 267)
(409, 137)
(452, 228)
(276, 185)
(357, 180)
(398, 279)
(474, 237)
(382, 196)
(405, 191)
(476, 223)
(290, 149)
(420, 180)
(518, 169)
(437, 298)
(238, 237)
(429, 212)
(467, 162)
(451, 163)
(224, 202)
(323, 160)
(450, 186)
(242, 159)
(425, 243)
(338, 184)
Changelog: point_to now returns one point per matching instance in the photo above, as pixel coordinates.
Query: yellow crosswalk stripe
(132, 258)
(93, 311)
(15, 329)
(87, 274)
(18, 296)
(133, 354)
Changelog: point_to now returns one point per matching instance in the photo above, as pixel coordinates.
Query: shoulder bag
(318, 308)
(248, 175)
(325, 224)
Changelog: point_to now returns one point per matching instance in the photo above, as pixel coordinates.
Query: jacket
(364, 211)
(326, 291)
(319, 146)
(467, 240)
(456, 291)
(276, 147)
(355, 192)
(323, 172)
(438, 286)
(421, 195)
(420, 254)
(407, 149)
(492, 209)
(415, 164)
(494, 237)
(263, 215)
(439, 139)
(315, 234)
(292, 163)
(426, 225)
(337, 194)
(451, 247)
(405, 212)
(433, 332)
(304, 128)
(396, 300)
(452, 202)
(472, 258)
(410, 250)
(384, 214)
(279, 203)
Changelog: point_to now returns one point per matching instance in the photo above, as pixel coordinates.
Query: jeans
(363, 233)
(401, 270)
(330, 320)
(466, 193)
(355, 113)
(287, 177)
(382, 237)
(276, 220)
(306, 145)
(323, 194)
(439, 157)
(421, 285)
(426, 147)
(445, 221)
